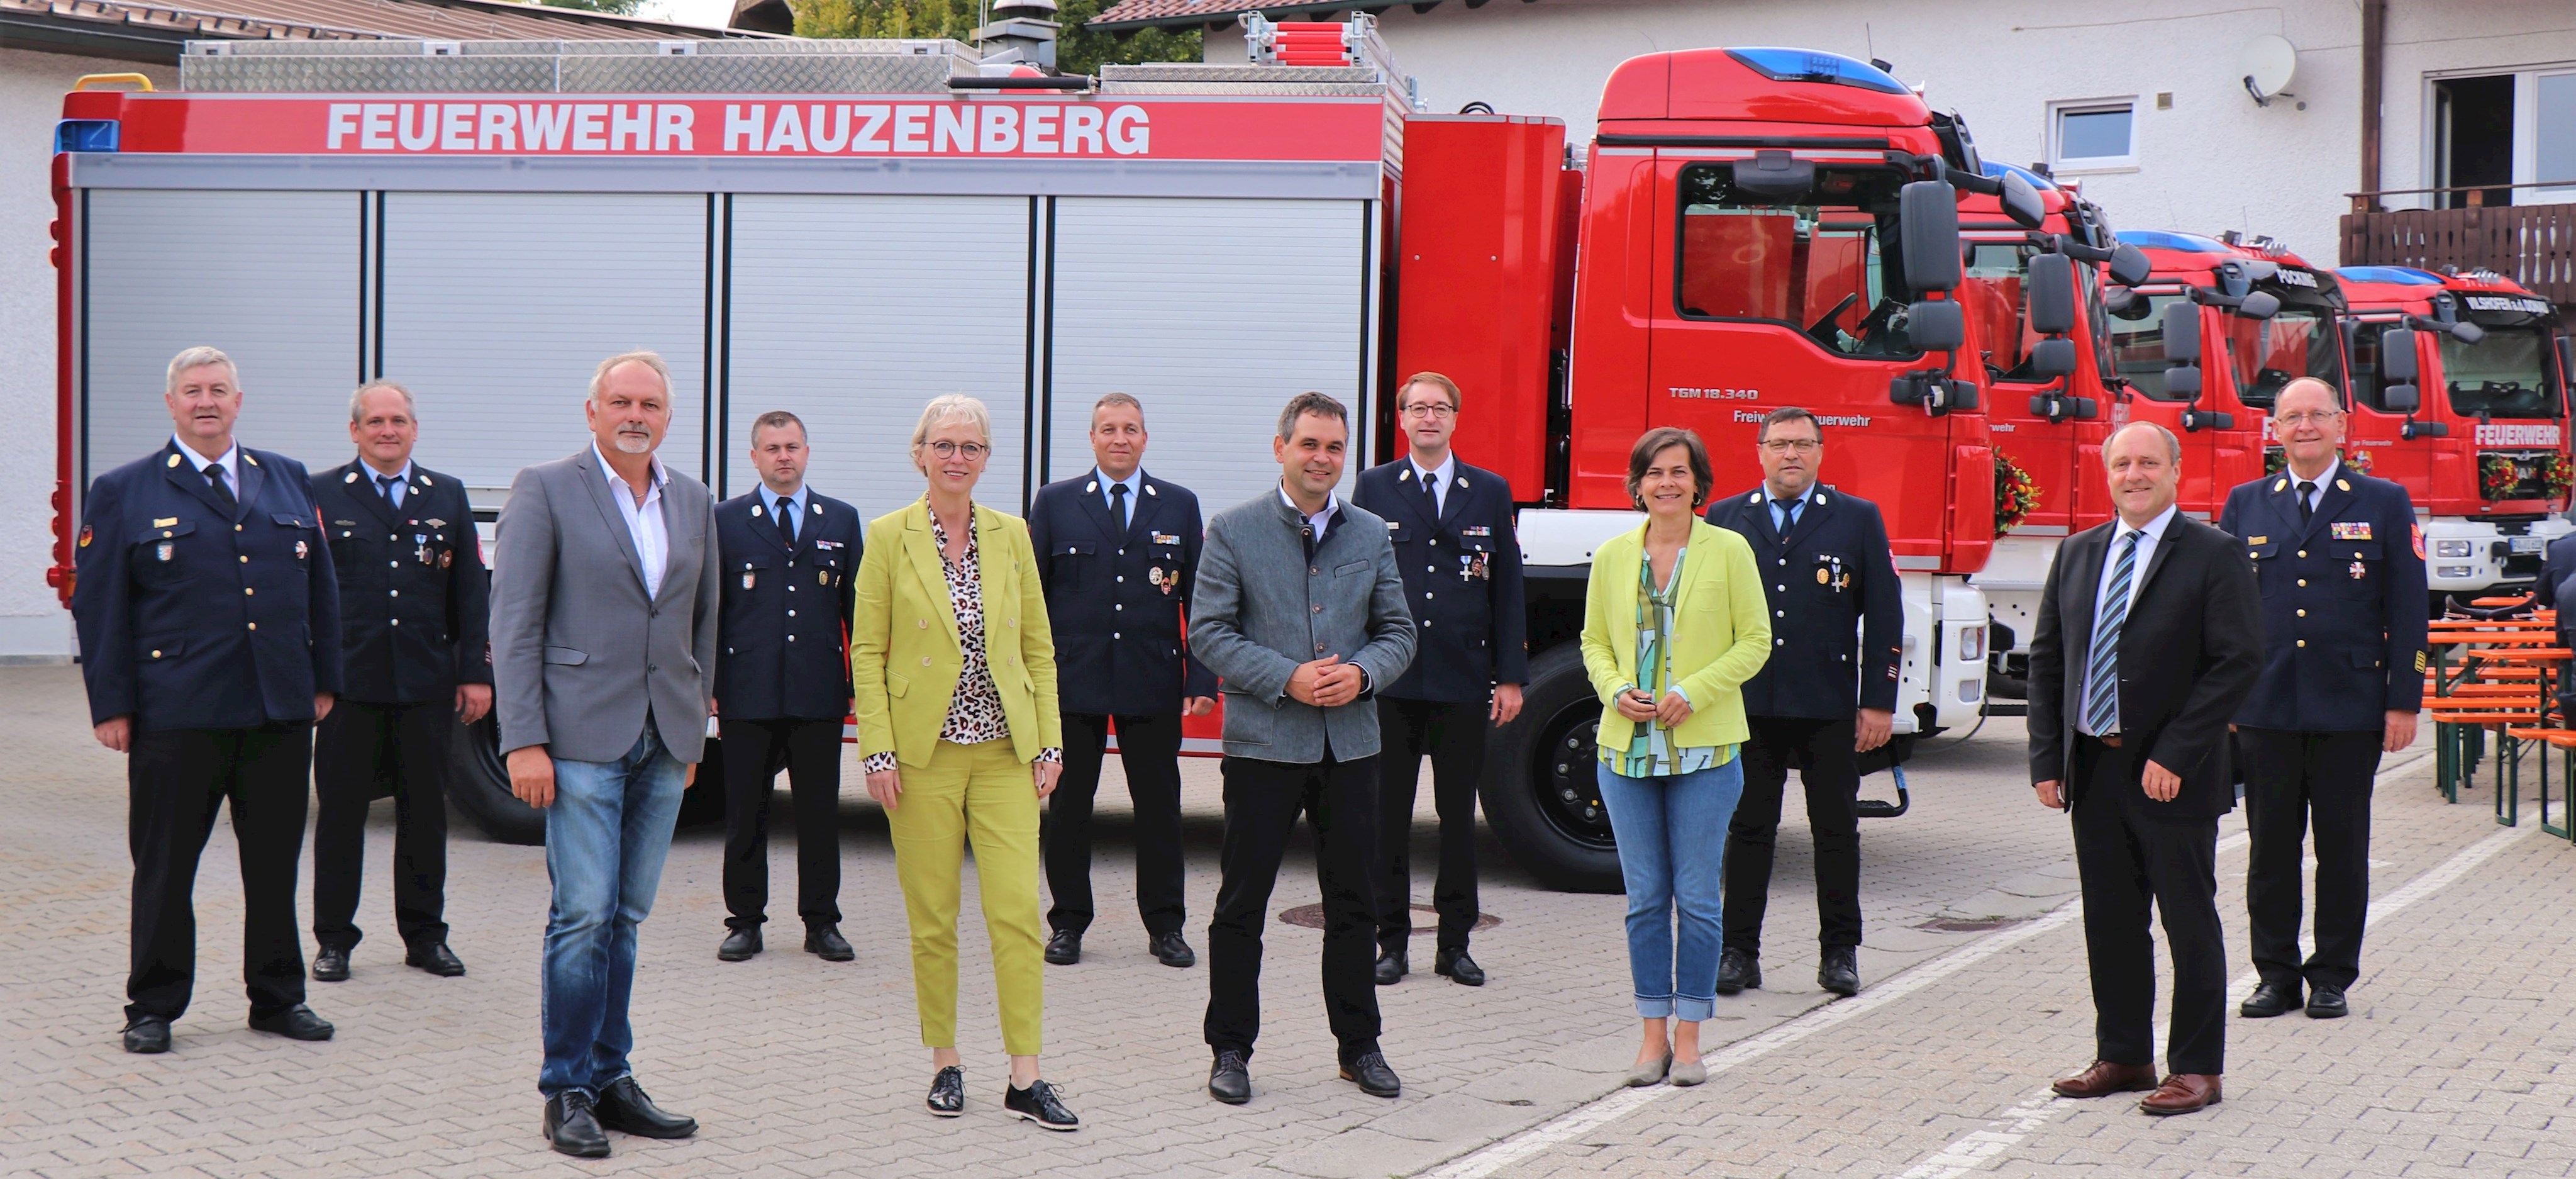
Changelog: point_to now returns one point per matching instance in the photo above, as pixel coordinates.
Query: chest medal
(2359, 570)
(300, 550)
(747, 578)
(2351, 529)
(164, 549)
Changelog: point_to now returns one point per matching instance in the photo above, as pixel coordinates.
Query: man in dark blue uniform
(2341, 563)
(783, 684)
(1452, 526)
(415, 653)
(202, 587)
(1119, 551)
(1827, 695)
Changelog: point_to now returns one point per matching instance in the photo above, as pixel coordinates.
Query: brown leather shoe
(2106, 1078)
(2182, 1093)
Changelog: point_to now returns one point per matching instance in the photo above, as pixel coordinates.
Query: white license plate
(2527, 544)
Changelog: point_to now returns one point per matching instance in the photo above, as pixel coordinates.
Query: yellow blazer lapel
(923, 555)
(993, 564)
(1700, 563)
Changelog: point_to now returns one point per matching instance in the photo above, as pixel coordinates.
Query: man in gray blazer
(603, 655)
(1301, 655)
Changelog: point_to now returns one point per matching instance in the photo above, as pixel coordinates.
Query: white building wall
(2426, 41)
(33, 623)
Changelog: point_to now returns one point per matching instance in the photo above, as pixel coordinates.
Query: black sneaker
(947, 1093)
(1039, 1103)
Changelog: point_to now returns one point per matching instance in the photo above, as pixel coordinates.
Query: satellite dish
(2266, 64)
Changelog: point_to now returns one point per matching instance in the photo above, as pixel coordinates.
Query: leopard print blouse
(975, 711)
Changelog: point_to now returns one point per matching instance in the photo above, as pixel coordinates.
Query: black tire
(478, 784)
(1540, 793)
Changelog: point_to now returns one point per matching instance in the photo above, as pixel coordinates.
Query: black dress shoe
(1458, 968)
(572, 1129)
(2270, 999)
(947, 1093)
(825, 942)
(435, 958)
(739, 945)
(1230, 1081)
(1738, 972)
(2325, 1002)
(294, 1023)
(624, 1107)
(1372, 1075)
(147, 1035)
(1039, 1103)
(1170, 950)
(1064, 948)
(1839, 971)
(330, 965)
(1391, 967)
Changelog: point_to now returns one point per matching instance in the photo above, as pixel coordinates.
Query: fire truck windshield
(2501, 376)
(2269, 353)
(1998, 293)
(1813, 260)
(2138, 344)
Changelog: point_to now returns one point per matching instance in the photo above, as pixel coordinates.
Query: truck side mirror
(1935, 326)
(1927, 219)
(2182, 333)
(2259, 305)
(2467, 333)
(2050, 291)
(2397, 358)
(2184, 381)
(2399, 399)
(2021, 202)
(2052, 358)
(2129, 265)
(1773, 173)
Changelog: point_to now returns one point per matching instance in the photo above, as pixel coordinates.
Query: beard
(634, 442)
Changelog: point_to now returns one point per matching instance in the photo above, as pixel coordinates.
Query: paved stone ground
(799, 1067)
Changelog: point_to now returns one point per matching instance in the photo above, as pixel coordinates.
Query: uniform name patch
(2258, 540)
(164, 521)
(2351, 529)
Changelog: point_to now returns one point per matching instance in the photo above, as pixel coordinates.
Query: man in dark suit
(1118, 551)
(2149, 637)
(1827, 695)
(783, 684)
(202, 580)
(415, 615)
(1452, 528)
(2342, 572)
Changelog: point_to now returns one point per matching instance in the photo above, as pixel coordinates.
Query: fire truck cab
(2459, 393)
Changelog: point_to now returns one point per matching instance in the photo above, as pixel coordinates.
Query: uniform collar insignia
(755, 509)
(2340, 485)
(1405, 475)
(351, 477)
(1090, 487)
(249, 458)
(425, 481)
(1149, 489)
(174, 461)
(1461, 481)
(1819, 501)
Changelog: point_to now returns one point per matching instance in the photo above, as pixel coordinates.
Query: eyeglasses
(972, 450)
(1429, 409)
(1785, 445)
(2307, 416)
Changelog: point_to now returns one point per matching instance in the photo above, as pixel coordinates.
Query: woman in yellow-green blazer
(953, 682)
(1673, 624)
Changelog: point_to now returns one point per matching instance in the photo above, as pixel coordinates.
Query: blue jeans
(1672, 852)
(606, 837)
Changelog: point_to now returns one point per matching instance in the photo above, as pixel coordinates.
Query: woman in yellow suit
(953, 679)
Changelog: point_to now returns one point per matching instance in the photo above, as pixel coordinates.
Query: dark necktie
(1431, 494)
(1118, 504)
(2306, 488)
(785, 511)
(2102, 669)
(223, 492)
(385, 487)
(1783, 519)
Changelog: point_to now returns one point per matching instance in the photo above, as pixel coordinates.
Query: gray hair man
(603, 659)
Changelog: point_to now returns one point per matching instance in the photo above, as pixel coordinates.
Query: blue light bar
(1998, 170)
(2407, 275)
(85, 135)
(2160, 239)
(1816, 65)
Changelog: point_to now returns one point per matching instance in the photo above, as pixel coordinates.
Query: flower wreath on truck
(2016, 494)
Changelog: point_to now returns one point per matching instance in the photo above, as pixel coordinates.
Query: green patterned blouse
(1650, 751)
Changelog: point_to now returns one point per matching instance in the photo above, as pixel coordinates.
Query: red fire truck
(2459, 392)
(847, 228)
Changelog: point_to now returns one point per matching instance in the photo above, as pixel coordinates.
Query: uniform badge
(1165, 538)
(438, 523)
(301, 550)
(822, 577)
(1478, 566)
(2419, 555)
(423, 552)
(1466, 566)
(2359, 570)
(2340, 485)
(1478, 530)
(163, 550)
(165, 522)
(2419, 661)
(344, 524)
(1822, 577)
(84, 540)
(747, 578)
(2258, 540)
(1154, 576)
(447, 558)
(2351, 529)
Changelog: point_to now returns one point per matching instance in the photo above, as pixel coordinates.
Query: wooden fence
(2534, 245)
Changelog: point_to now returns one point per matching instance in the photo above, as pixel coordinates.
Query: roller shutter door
(1213, 313)
(269, 277)
(852, 311)
(498, 305)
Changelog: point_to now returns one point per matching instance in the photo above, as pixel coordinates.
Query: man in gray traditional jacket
(1300, 611)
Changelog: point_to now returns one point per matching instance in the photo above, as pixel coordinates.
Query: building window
(2092, 135)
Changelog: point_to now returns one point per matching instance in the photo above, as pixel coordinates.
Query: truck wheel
(478, 784)
(1540, 793)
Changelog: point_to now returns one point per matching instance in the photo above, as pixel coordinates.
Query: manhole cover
(1962, 925)
(1312, 917)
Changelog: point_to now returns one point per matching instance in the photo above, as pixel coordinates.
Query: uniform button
(1427, 594)
(245, 560)
(2303, 642)
(1784, 560)
(1113, 634)
(1120, 606)
(394, 593)
(1122, 577)
(2303, 613)
(1435, 544)
(236, 527)
(791, 638)
(397, 622)
(254, 626)
(1782, 588)
(790, 614)
(1780, 613)
(247, 591)
(1779, 642)
(1425, 622)
(393, 564)
(2303, 583)
(2303, 552)
(156, 654)
(1122, 552)
(791, 589)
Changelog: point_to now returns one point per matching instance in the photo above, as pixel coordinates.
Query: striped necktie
(2101, 669)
